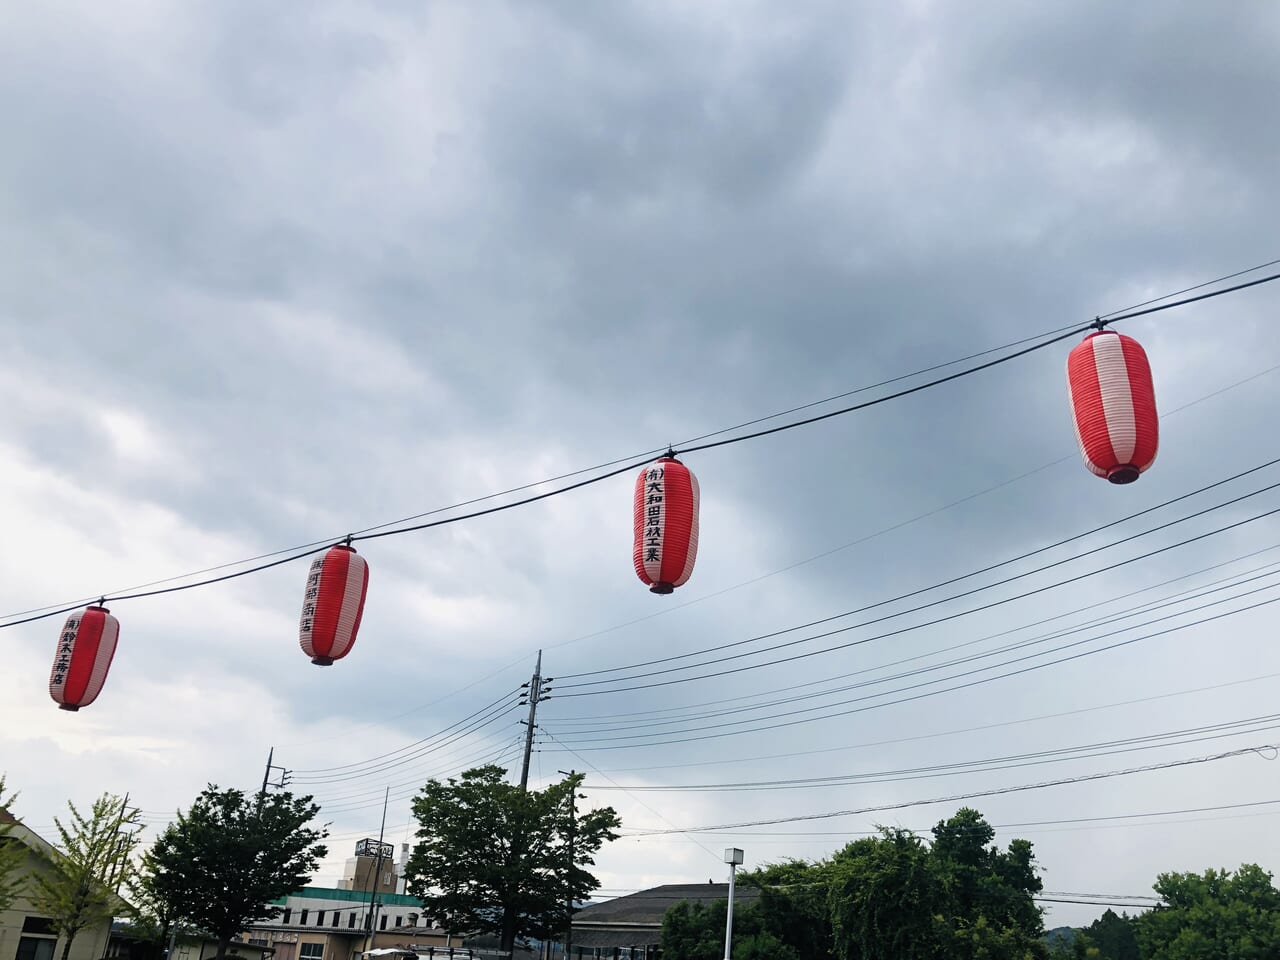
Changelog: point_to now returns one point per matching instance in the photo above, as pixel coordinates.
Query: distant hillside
(1060, 935)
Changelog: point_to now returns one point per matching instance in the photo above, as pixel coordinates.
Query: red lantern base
(662, 588)
(1126, 474)
(69, 706)
(322, 661)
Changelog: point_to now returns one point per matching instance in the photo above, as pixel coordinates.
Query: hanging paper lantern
(85, 648)
(666, 524)
(333, 605)
(1114, 405)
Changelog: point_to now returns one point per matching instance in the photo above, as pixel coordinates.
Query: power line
(921, 696)
(302, 774)
(1258, 749)
(375, 533)
(1143, 608)
(949, 732)
(944, 619)
(1104, 748)
(931, 587)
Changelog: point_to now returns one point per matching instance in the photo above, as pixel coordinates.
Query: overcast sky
(271, 274)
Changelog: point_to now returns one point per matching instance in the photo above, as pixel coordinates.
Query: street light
(733, 857)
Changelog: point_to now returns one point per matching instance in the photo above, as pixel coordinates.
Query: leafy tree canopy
(1232, 916)
(492, 858)
(12, 853)
(95, 859)
(222, 862)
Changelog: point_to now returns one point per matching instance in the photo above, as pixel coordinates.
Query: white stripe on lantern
(102, 662)
(1075, 425)
(1117, 397)
(693, 536)
(344, 635)
(653, 568)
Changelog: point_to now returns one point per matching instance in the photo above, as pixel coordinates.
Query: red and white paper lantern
(666, 524)
(1113, 403)
(85, 648)
(333, 605)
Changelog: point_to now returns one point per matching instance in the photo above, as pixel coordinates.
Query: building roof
(351, 896)
(648, 906)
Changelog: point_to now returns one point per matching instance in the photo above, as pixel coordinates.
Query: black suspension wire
(348, 766)
(1262, 749)
(609, 686)
(914, 593)
(962, 686)
(1043, 638)
(949, 732)
(682, 710)
(1200, 734)
(375, 533)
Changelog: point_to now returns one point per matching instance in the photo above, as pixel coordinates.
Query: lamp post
(733, 857)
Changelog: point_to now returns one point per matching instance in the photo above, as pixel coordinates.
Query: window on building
(399, 922)
(311, 951)
(337, 915)
(319, 918)
(288, 915)
(351, 921)
(302, 919)
(383, 924)
(40, 925)
(35, 948)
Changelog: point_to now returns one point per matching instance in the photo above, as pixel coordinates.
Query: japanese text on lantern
(66, 644)
(313, 591)
(653, 513)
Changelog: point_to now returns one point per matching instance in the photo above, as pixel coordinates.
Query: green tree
(1233, 916)
(1114, 935)
(491, 858)
(221, 863)
(79, 890)
(13, 852)
(888, 900)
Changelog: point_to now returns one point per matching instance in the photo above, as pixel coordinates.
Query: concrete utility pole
(573, 828)
(374, 900)
(537, 693)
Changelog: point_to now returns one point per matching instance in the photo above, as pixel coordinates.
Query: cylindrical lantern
(666, 524)
(1114, 406)
(333, 605)
(85, 648)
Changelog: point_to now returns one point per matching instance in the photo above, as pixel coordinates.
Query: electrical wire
(931, 587)
(945, 619)
(962, 686)
(301, 773)
(1251, 576)
(1257, 749)
(1106, 748)
(375, 533)
(949, 732)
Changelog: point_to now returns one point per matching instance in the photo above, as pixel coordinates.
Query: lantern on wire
(666, 524)
(80, 664)
(1113, 404)
(333, 604)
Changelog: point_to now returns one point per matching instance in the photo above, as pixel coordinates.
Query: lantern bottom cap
(322, 661)
(69, 706)
(1125, 474)
(662, 587)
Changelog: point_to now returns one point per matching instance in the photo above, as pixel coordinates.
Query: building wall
(90, 943)
(313, 936)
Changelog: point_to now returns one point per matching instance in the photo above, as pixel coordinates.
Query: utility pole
(538, 691)
(573, 829)
(377, 871)
(285, 777)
